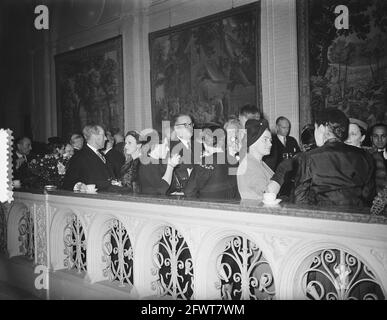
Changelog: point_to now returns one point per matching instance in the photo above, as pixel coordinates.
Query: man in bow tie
(89, 166)
(379, 153)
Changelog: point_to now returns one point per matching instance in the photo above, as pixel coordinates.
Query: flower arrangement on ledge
(50, 169)
(379, 205)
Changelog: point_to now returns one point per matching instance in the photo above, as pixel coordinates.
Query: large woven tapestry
(207, 68)
(343, 68)
(89, 84)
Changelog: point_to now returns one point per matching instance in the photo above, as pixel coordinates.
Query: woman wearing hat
(356, 132)
(253, 174)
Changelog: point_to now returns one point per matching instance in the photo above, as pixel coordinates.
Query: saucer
(272, 203)
(50, 187)
(176, 193)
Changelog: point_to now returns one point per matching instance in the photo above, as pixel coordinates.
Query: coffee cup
(90, 188)
(16, 183)
(269, 197)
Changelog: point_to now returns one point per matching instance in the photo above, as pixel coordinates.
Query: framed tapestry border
(305, 114)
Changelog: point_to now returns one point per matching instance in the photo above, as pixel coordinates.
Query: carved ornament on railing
(26, 235)
(75, 245)
(337, 275)
(118, 254)
(41, 235)
(244, 272)
(173, 265)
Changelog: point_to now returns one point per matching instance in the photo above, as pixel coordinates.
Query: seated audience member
(119, 141)
(116, 158)
(211, 179)
(334, 173)
(284, 146)
(253, 174)
(356, 132)
(69, 151)
(20, 160)
(187, 148)
(282, 182)
(77, 142)
(129, 171)
(56, 146)
(247, 112)
(379, 154)
(234, 134)
(155, 171)
(89, 166)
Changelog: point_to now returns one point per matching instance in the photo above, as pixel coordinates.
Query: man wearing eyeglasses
(182, 126)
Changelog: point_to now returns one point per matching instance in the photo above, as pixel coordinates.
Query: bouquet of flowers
(50, 168)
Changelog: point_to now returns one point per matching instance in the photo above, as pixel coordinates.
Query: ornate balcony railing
(75, 244)
(178, 249)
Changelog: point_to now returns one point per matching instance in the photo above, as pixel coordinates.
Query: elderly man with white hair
(89, 166)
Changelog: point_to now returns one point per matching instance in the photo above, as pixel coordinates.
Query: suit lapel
(95, 159)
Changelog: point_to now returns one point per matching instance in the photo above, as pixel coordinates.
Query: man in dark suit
(89, 166)
(119, 142)
(188, 149)
(20, 159)
(77, 142)
(379, 153)
(283, 145)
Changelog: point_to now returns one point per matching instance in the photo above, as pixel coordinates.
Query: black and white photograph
(179, 154)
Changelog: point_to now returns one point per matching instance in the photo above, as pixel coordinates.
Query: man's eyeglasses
(186, 125)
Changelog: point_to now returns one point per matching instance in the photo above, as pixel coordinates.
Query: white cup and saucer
(90, 188)
(269, 199)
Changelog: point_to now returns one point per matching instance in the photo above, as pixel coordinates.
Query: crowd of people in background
(339, 161)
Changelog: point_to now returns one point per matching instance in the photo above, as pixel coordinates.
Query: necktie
(101, 156)
(382, 153)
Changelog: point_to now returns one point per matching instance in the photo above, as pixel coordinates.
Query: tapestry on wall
(207, 68)
(89, 84)
(343, 68)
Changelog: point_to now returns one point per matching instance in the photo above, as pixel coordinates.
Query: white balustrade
(179, 249)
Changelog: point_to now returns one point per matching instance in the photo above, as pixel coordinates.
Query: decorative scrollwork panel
(75, 245)
(26, 235)
(337, 275)
(118, 254)
(173, 265)
(41, 235)
(244, 272)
